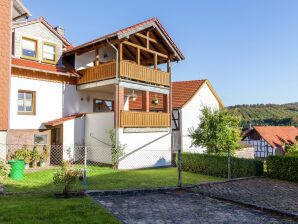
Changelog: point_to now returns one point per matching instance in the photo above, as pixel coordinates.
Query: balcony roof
(127, 32)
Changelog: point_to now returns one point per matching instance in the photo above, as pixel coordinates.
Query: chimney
(60, 30)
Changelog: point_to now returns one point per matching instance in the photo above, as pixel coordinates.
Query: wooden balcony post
(120, 103)
(145, 101)
(138, 55)
(166, 103)
(96, 57)
(169, 65)
(155, 61)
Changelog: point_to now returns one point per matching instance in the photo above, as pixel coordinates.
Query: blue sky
(248, 49)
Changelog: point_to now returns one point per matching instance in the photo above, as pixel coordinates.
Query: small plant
(35, 156)
(44, 155)
(4, 170)
(23, 153)
(67, 176)
(117, 149)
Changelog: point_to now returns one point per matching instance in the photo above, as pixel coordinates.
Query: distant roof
(44, 67)
(63, 119)
(182, 92)
(49, 26)
(277, 136)
(130, 30)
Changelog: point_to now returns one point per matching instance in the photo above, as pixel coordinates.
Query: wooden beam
(129, 53)
(147, 37)
(145, 49)
(169, 65)
(138, 56)
(141, 44)
(96, 56)
(155, 61)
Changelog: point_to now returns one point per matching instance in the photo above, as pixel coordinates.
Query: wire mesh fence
(94, 168)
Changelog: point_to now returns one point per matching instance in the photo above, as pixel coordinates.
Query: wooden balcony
(145, 74)
(127, 70)
(132, 119)
(98, 73)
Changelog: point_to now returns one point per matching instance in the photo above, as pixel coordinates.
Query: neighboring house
(71, 96)
(270, 140)
(189, 98)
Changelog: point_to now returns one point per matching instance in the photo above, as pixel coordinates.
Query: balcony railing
(128, 70)
(132, 119)
(144, 74)
(98, 73)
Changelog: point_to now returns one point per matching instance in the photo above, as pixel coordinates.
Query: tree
(217, 131)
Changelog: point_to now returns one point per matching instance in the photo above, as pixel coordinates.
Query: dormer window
(49, 53)
(29, 48)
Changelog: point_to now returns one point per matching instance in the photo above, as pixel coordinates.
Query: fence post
(179, 168)
(85, 167)
(229, 163)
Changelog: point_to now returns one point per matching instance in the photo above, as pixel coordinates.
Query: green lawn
(19, 209)
(44, 208)
(103, 178)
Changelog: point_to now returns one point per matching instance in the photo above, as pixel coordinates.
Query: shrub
(67, 176)
(4, 170)
(117, 149)
(23, 154)
(35, 156)
(215, 165)
(284, 168)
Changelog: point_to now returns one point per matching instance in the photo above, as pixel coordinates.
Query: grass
(44, 208)
(19, 209)
(104, 178)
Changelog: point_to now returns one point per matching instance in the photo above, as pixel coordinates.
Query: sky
(248, 49)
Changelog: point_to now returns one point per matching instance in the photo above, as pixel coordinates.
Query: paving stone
(182, 208)
(280, 196)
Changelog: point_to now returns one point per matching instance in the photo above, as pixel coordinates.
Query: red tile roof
(48, 25)
(130, 28)
(63, 119)
(182, 92)
(18, 62)
(277, 136)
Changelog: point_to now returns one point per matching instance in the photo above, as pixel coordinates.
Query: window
(26, 102)
(102, 105)
(49, 52)
(29, 48)
(40, 139)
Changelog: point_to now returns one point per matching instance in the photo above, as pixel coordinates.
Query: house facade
(72, 96)
(270, 140)
(189, 98)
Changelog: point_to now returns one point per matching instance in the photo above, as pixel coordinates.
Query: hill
(267, 114)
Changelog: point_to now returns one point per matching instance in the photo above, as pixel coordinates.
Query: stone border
(156, 190)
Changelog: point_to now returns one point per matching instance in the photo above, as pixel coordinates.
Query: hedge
(214, 165)
(282, 167)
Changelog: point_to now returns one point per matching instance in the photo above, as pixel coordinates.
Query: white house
(71, 96)
(189, 98)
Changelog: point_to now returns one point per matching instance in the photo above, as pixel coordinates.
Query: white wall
(191, 113)
(86, 60)
(151, 149)
(81, 101)
(73, 135)
(97, 138)
(48, 102)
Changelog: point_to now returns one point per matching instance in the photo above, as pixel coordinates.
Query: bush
(215, 165)
(284, 168)
(67, 176)
(4, 170)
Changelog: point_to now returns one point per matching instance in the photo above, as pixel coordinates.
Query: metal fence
(100, 168)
